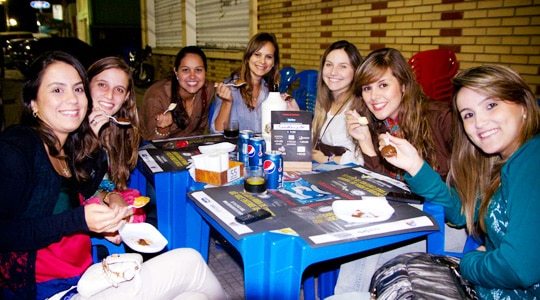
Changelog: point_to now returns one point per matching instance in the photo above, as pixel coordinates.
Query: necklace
(64, 167)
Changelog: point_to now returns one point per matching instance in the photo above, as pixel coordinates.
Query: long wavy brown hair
(120, 142)
(256, 43)
(412, 112)
(476, 175)
(325, 97)
(79, 143)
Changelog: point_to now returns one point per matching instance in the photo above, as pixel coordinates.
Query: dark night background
(25, 15)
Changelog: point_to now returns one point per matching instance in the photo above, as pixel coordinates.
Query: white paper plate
(220, 147)
(368, 210)
(143, 237)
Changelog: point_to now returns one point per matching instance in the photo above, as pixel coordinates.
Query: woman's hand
(97, 119)
(407, 157)
(116, 200)
(356, 130)
(360, 132)
(164, 120)
(319, 156)
(291, 102)
(224, 92)
(101, 218)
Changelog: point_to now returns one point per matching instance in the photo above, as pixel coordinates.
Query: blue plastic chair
(111, 247)
(286, 78)
(306, 93)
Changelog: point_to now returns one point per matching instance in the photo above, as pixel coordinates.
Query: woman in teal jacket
(495, 190)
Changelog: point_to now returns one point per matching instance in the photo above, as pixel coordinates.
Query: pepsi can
(256, 149)
(273, 169)
(243, 141)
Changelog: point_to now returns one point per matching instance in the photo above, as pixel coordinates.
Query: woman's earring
(34, 114)
(524, 116)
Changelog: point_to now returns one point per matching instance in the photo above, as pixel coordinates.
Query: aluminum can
(256, 150)
(243, 141)
(273, 169)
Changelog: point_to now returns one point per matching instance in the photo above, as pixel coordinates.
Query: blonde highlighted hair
(475, 174)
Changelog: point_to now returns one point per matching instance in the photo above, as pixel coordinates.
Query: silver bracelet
(161, 134)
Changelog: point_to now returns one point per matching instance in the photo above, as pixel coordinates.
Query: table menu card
(291, 134)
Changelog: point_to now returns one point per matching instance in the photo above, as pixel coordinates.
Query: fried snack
(140, 201)
(389, 151)
(357, 214)
(143, 242)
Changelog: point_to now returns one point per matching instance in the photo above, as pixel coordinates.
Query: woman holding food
(393, 103)
(44, 242)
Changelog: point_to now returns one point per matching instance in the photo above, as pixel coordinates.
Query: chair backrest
(306, 92)
(434, 70)
(286, 78)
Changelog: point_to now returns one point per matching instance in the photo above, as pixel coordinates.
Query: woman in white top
(335, 94)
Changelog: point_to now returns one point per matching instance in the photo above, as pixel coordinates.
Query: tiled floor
(227, 266)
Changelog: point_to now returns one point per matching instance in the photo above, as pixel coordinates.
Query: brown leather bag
(329, 150)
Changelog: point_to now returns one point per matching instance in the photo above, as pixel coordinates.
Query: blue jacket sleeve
(428, 184)
(512, 258)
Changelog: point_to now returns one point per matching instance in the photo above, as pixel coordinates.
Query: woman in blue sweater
(493, 178)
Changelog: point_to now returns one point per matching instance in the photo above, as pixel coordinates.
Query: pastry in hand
(389, 151)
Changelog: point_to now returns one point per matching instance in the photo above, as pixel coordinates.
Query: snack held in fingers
(389, 151)
(363, 121)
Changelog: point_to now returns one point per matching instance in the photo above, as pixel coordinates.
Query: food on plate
(389, 151)
(143, 242)
(360, 214)
(357, 214)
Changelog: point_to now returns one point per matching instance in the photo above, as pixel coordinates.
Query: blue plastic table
(274, 263)
(171, 201)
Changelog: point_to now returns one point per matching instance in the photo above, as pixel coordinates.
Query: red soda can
(273, 169)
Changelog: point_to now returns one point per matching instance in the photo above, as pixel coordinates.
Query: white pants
(176, 274)
(355, 276)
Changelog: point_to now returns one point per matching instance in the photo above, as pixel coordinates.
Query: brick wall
(479, 32)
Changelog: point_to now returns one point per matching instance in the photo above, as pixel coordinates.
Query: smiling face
(337, 72)
(262, 61)
(61, 102)
(109, 90)
(191, 73)
(493, 125)
(383, 96)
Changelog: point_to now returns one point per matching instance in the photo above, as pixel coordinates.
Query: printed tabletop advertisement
(169, 155)
(320, 216)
